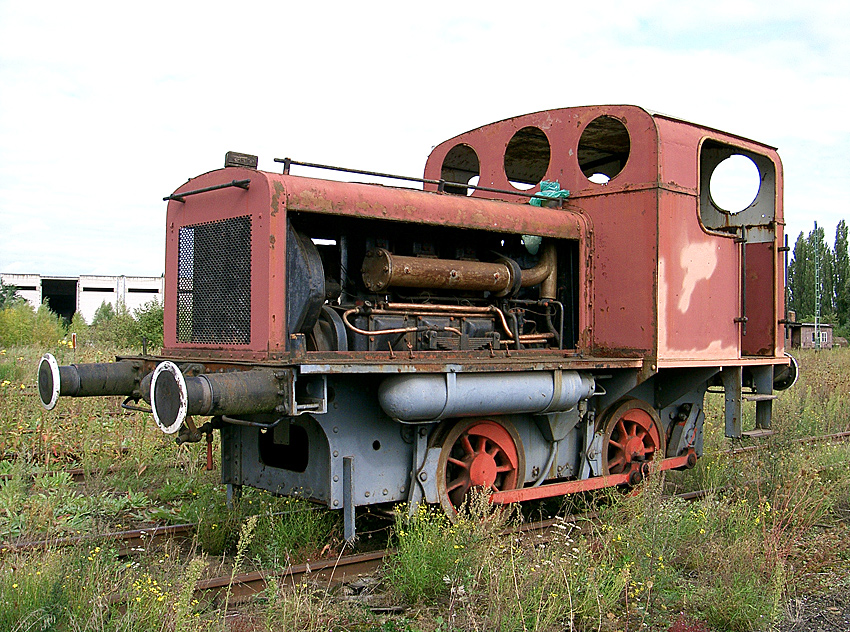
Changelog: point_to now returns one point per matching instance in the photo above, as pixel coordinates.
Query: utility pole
(817, 288)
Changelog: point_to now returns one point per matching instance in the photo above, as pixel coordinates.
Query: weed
(483, 581)
(290, 528)
(431, 553)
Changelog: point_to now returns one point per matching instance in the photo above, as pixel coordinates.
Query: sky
(107, 107)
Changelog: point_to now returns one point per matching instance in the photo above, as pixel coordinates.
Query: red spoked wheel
(632, 434)
(478, 453)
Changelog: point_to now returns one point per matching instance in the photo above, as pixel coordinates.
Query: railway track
(342, 569)
(839, 436)
(127, 541)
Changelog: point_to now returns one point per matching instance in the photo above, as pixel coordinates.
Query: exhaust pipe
(85, 380)
(175, 396)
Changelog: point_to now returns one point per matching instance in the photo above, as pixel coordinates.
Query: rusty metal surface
(409, 205)
(648, 270)
(763, 319)
(698, 286)
(272, 196)
(382, 269)
(655, 271)
(563, 127)
(381, 362)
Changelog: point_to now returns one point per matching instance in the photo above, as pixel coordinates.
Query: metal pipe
(545, 273)
(85, 380)
(397, 330)
(382, 269)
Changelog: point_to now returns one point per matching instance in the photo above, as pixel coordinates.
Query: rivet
(366, 494)
(386, 492)
(336, 479)
(423, 476)
(336, 429)
(336, 453)
(336, 503)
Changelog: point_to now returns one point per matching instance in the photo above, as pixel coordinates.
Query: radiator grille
(214, 282)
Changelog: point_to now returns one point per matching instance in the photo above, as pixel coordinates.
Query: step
(758, 433)
(758, 397)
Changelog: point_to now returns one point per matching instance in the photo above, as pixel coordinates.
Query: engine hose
(398, 330)
(551, 325)
(549, 463)
(515, 330)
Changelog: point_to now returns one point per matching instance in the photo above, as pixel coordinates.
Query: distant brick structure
(802, 336)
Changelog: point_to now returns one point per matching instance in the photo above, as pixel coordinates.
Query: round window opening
(603, 149)
(734, 184)
(527, 158)
(461, 166)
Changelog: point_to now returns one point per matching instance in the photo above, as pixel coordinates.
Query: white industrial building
(84, 294)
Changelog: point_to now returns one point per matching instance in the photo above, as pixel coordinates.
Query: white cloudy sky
(106, 107)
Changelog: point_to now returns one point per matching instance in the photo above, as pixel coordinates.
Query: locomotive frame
(358, 344)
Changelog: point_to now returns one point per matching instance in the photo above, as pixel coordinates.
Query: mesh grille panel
(214, 282)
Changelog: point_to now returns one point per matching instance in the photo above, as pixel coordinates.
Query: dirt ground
(822, 613)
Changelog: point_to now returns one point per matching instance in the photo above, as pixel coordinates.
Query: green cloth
(549, 190)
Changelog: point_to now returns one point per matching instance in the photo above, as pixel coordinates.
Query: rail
(441, 184)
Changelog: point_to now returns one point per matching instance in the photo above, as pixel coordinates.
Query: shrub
(81, 328)
(290, 528)
(115, 327)
(21, 325)
(429, 548)
(150, 319)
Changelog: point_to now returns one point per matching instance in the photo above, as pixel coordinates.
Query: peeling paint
(699, 261)
(279, 194)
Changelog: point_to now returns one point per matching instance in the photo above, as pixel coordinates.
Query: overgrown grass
(479, 579)
(287, 529)
(91, 589)
(731, 559)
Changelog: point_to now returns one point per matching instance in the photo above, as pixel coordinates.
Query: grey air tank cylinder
(417, 398)
(85, 380)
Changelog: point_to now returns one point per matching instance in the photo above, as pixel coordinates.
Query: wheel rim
(632, 434)
(479, 453)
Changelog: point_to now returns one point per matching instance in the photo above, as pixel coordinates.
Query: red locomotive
(544, 317)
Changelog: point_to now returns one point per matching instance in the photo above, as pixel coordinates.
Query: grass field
(775, 527)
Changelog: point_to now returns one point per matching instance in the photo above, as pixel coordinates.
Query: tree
(8, 296)
(826, 274)
(150, 319)
(833, 276)
(115, 327)
(20, 324)
(801, 279)
(842, 273)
